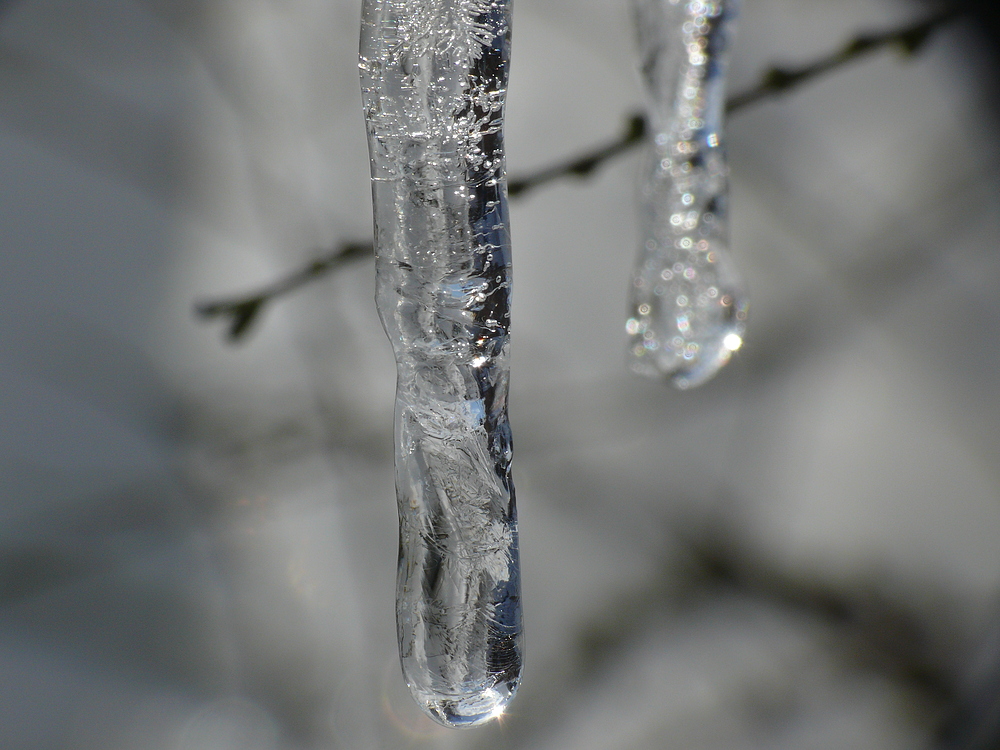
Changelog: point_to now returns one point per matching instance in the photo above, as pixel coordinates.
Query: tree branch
(776, 80)
(240, 313)
(875, 627)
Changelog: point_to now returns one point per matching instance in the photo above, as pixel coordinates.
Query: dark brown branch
(882, 634)
(582, 166)
(872, 627)
(240, 313)
(776, 80)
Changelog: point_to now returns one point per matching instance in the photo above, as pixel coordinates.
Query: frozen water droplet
(688, 306)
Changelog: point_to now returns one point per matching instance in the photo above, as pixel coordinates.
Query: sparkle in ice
(688, 307)
(433, 78)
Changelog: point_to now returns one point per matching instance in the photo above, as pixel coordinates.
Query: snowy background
(198, 539)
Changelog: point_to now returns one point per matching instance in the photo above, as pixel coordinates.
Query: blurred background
(198, 536)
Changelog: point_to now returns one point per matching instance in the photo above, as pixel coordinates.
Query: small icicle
(433, 79)
(688, 307)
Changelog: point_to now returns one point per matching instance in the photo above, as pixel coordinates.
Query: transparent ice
(687, 305)
(433, 79)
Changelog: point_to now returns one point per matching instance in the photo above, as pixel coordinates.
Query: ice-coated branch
(240, 313)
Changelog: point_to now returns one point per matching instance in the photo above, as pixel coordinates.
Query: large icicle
(433, 77)
(688, 306)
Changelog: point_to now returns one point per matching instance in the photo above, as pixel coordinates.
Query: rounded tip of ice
(472, 710)
(652, 359)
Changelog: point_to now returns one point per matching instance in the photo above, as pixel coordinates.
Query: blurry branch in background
(869, 625)
(880, 630)
(776, 80)
(867, 628)
(5, 5)
(241, 312)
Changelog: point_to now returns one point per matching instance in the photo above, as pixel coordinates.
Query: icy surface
(688, 306)
(434, 81)
(199, 537)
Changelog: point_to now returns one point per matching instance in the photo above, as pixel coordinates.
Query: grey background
(197, 539)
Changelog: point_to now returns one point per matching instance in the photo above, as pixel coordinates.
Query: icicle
(433, 78)
(688, 306)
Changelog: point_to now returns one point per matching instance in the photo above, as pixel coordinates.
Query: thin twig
(584, 165)
(242, 312)
(776, 80)
(876, 629)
